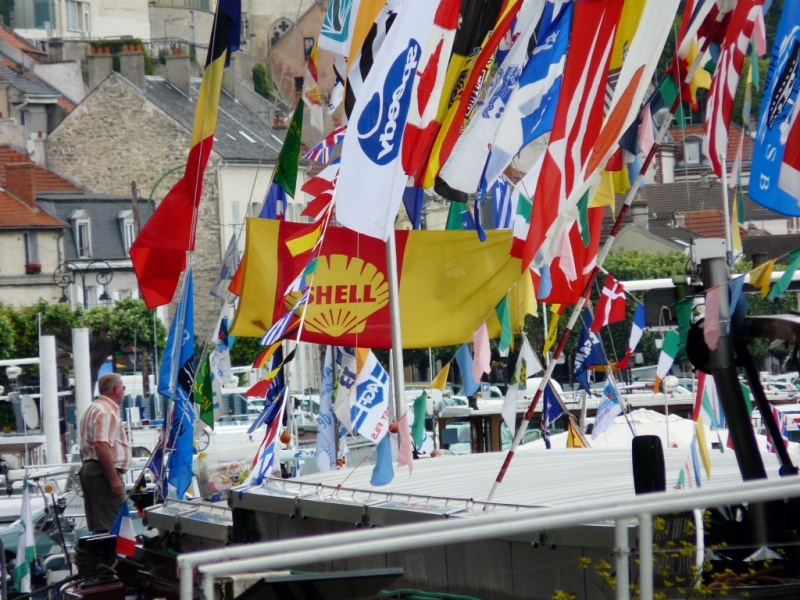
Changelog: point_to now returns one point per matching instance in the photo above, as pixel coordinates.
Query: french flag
(123, 529)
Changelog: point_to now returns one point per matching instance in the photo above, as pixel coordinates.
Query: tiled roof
(240, 133)
(12, 39)
(16, 214)
(777, 246)
(735, 133)
(45, 180)
(707, 223)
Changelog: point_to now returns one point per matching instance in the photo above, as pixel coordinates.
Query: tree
(261, 80)
(6, 336)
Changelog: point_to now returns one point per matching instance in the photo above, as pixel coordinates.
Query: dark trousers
(100, 506)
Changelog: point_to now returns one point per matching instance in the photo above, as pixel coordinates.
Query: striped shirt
(102, 423)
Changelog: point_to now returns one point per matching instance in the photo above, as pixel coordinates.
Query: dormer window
(82, 232)
(126, 230)
(691, 151)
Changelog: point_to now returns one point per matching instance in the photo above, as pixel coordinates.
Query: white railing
(213, 564)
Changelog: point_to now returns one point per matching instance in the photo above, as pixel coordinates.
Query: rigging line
(610, 337)
(627, 293)
(682, 126)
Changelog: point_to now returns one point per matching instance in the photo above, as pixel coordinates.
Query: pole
(83, 372)
(726, 212)
(621, 552)
(49, 398)
(646, 556)
(394, 317)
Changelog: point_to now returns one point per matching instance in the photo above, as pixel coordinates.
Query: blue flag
(588, 353)
(175, 381)
(464, 361)
(413, 199)
(551, 410)
(274, 204)
(383, 472)
(775, 173)
(275, 397)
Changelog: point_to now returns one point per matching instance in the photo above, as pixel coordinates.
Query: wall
(263, 14)
(17, 288)
(173, 23)
(108, 19)
(64, 76)
(116, 136)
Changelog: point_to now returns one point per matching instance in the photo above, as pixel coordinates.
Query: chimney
(704, 182)
(639, 213)
(100, 64)
(759, 258)
(20, 181)
(229, 78)
(55, 48)
(680, 219)
(179, 72)
(131, 65)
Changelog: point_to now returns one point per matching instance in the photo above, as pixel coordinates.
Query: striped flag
(26, 548)
(159, 251)
(285, 323)
(707, 408)
(503, 203)
(311, 94)
(123, 529)
(321, 153)
(669, 350)
(726, 80)
(778, 416)
(637, 330)
(265, 457)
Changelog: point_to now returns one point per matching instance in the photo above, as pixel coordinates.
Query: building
(70, 19)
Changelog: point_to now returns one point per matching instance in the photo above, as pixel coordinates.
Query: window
(308, 46)
(31, 248)
(278, 30)
(236, 217)
(692, 152)
(126, 230)
(41, 14)
(83, 242)
(72, 15)
(298, 85)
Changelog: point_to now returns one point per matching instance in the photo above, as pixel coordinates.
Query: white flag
(609, 408)
(26, 549)
(230, 262)
(326, 433)
(527, 365)
(345, 385)
(369, 406)
(371, 158)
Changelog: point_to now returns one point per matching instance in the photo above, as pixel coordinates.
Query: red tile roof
(707, 223)
(735, 133)
(17, 214)
(46, 181)
(17, 42)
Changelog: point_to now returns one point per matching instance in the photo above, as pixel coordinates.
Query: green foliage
(6, 336)
(245, 351)
(261, 80)
(755, 106)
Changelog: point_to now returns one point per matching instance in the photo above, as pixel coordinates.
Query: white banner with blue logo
(371, 177)
(369, 406)
(326, 434)
(608, 409)
(775, 173)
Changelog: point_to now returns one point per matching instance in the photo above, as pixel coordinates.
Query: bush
(260, 80)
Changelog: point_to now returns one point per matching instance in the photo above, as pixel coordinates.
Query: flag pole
(726, 212)
(394, 319)
(601, 257)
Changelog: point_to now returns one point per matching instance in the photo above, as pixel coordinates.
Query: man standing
(105, 454)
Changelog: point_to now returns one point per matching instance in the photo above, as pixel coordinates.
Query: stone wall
(116, 136)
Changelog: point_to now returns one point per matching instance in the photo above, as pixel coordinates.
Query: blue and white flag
(274, 204)
(503, 203)
(230, 262)
(371, 157)
(276, 392)
(326, 432)
(175, 381)
(588, 353)
(552, 409)
(281, 326)
(265, 458)
(383, 471)
(369, 406)
(337, 27)
(464, 362)
(462, 171)
(608, 409)
(413, 200)
(775, 173)
(532, 106)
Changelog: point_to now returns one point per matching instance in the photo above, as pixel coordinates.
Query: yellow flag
(761, 277)
(736, 235)
(656, 385)
(552, 330)
(604, 196)
(701, 444)
(575, 438)
(441, 379)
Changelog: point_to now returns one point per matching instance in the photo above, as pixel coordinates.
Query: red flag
(611, 305)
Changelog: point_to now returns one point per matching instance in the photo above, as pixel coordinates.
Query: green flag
(755, 76)
(583, 219)
(454, 222)
(203, 393)
(286, 169)
(418, 428)
(747, 401)
(501, 310)
(669, 91)
(783, 283)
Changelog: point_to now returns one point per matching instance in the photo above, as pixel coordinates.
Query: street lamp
(66, 273)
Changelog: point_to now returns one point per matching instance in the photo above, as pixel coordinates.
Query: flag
(611, 306)
(230, 262)
(26, 546)
(204, 393)
(781, 422)
(383, 471)
(588, 354)
(265, 456)
(786, 279)
(337, 93)
(320, 191)
(761, 276)
(441, 379)
(577, 121)
(646, 137)
(707, 408)
(695, 13)
(736, 234)
(311, 94)
(669, 350)
(369, 406)
(461, 174)
(321, 153)
(337, 27)
(413, 201)
(345, 384)
(371, 147)
(275, 393)
(261, 360)
(286, 323)
(123, 529)
(326, 432)
(695, 461)
(423, 122)
(527, 366)
(552, 329)
(405, 452)
(575, 437)
(702, 446)
(418, 427)
(637, 330)
(552, 409)
(275, 203)
(175, 381)
(530, 109)
(221, 354)
(504, 318)
(725, 81)
(482, 359)
(159, 251)
(503, 203)
(608, 408)
(286, 169)
(464, 361)
(711, 320)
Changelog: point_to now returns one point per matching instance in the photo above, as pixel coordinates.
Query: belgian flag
(159, 251)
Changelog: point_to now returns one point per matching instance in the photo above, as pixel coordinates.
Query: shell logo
(346, 292)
